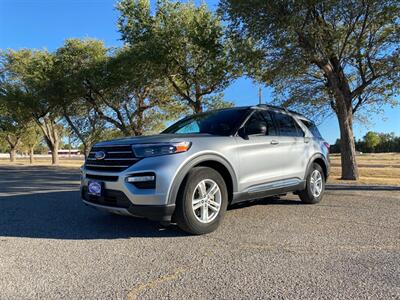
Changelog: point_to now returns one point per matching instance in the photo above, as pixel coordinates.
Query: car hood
(159, 138)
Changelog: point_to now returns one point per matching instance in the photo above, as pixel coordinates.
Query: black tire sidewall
(186, 218)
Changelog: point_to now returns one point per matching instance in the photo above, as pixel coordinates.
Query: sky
(47, 23)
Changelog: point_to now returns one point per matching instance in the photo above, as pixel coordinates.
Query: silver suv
(193, 170)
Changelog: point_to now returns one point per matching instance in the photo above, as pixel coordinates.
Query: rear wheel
(315, 185)
(202, 201)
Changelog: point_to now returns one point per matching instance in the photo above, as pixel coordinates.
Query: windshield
(219, 122)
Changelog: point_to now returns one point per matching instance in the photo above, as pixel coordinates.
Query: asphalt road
(52, 247)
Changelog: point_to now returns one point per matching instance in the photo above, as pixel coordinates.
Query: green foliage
(31, 137)
(322, 56)
(14, 121)
(4, 147)
(311, 52)
(372, 139)
(99, 87)
(27, 77)
(374, 142)
(187, 44)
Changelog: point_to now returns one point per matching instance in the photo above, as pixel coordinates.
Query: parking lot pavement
(52, 246)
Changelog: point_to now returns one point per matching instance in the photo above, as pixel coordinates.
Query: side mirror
(242, 133)
(256, 128)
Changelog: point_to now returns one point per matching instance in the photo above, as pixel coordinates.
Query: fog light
(140, 178)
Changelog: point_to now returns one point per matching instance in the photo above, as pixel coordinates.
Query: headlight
(156, 149)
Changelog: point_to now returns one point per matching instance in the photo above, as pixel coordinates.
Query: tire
(202, 201)
(312, 194)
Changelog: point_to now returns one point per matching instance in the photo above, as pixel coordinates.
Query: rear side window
(287, 125)
(313, 128)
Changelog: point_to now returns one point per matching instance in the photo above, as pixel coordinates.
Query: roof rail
(273, 106)
(281, 108)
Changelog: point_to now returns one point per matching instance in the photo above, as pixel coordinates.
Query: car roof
(281, 109)
(266, 107)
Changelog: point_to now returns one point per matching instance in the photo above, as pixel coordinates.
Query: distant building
(67, 152)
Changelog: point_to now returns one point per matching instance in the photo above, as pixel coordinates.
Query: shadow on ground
(62, 215)
(58, 213)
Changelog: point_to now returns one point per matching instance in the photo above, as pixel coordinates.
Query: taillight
(327, 146)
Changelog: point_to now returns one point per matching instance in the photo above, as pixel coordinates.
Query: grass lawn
(377, 168)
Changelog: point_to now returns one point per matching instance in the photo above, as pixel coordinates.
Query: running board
(273, 185)
(270, 189)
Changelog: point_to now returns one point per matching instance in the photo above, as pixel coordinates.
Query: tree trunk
(347, 145)
(86, 150)
(31, 158)
(54, 153)
(48, 126)
(343, 108)
(198, 107)
(13, 155)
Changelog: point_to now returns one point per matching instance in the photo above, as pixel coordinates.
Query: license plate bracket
(95, 188)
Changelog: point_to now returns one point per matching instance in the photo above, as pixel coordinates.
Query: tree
(339, 55)
(120, 88)
(371, 139)
(27, 74)
(187, 45)
(13, 119)
(74, 63)
(30, 138)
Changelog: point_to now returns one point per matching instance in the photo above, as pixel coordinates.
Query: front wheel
(315, 185)
(202, 201)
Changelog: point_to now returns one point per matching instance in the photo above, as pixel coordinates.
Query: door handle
(274, 142)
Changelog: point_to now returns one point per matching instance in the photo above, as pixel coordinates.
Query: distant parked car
(193, 170)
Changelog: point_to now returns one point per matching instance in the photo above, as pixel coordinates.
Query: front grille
(117, 158)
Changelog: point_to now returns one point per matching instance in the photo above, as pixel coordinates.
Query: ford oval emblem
(99, 155)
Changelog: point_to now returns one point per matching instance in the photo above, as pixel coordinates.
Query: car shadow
(266, 201)
(62, 215)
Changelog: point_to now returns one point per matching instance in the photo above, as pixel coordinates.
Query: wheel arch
(214, 161)
(322, 161)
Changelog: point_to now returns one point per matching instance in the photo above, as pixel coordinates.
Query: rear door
(292, 144)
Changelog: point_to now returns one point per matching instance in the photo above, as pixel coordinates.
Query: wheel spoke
(316, 182)
(213, 190)
(213, 205)
(206, 200)
(204, 213)
(197, 204)
(202, 189)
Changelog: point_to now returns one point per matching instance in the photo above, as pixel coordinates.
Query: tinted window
(287, 125)
(220, 122)
(313, 128)
(265, 118)
(255, 118)
(271, 130)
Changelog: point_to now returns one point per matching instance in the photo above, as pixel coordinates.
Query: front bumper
(123, 197)
(117, 202)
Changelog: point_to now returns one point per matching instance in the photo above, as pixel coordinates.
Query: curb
(362, 187)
